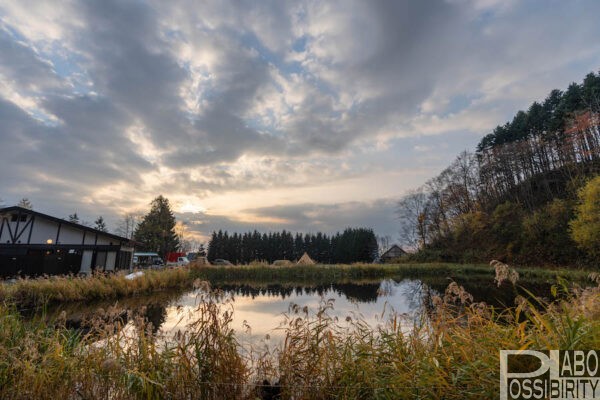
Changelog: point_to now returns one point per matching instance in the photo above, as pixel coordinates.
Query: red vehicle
(177, 258)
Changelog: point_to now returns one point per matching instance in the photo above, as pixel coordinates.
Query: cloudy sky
(303, 115)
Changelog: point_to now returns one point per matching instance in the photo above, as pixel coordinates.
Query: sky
(299, 115)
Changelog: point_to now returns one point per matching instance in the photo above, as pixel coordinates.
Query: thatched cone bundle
(306, 260)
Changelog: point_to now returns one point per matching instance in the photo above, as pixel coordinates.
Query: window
(14, 217)
(23, 218)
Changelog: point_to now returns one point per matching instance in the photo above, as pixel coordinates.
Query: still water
(259, 313)
(259, 309)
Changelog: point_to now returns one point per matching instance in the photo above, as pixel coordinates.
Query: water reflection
(258, 308)
(259, 311)
(359, 292)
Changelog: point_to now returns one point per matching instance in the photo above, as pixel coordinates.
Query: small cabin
(32, 244)
(391, 254)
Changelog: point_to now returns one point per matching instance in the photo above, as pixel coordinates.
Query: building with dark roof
(391, 254)
(32, 244)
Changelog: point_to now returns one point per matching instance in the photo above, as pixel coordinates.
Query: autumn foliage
(515, 198)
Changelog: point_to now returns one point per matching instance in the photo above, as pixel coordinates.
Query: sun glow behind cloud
(304, 115)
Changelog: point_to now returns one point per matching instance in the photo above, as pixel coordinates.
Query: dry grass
(450, 353)
(53, 289)
(263, 272)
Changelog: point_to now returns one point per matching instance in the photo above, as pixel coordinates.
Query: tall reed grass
(113, 361)
(450, 352)
(52, 289)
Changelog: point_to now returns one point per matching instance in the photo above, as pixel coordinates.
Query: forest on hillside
(352, 245)
(519, 196)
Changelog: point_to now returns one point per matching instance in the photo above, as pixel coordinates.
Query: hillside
(516, 197)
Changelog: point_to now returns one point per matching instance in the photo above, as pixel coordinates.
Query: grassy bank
(56, 289)
(334, 273)
(452, 356)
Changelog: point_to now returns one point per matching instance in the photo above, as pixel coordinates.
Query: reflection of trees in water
(155, 314)
(484, 289)
(414, 291)
(417, 296)
(81, 317)
(363, 292)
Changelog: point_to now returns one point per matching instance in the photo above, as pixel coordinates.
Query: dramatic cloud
(299, 115)
(305, 217)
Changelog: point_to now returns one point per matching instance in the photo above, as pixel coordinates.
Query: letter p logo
(521, 366)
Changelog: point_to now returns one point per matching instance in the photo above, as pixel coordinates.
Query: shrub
(585, 228)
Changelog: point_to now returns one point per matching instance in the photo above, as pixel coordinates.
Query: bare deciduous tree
(412, 211)
(384, 243)
(127, 224)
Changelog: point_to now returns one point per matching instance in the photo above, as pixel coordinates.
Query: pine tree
(25, 203)
(74, 218)
(157, 229)
(212, 247)
(100, 225)
(201, 250)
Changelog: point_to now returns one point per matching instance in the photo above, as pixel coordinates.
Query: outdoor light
(49, 241)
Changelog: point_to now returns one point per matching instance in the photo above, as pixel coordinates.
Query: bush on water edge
(452, 352)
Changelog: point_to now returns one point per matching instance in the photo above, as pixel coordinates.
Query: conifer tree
(100, 224)
(25, 203)
(156, 231)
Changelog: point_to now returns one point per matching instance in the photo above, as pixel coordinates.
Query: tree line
(516, 195)
(559, 135)
(352, 245)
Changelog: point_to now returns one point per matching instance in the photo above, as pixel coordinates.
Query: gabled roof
(306, 260)
(62, 221)
(394, 247)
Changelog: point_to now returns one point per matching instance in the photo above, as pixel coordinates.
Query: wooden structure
(392, 253)
(32, 243)
(305, 260)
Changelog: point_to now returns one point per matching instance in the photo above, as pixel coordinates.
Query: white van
(147, 260)
(181, 262)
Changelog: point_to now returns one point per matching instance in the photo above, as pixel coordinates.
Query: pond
(259, 308)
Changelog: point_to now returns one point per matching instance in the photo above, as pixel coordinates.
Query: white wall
(90, 238)
(69, 235)
(111, 257)
(102, 240)
(86, 262)
(43, 230)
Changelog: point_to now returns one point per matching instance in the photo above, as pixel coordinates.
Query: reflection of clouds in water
(264, 310)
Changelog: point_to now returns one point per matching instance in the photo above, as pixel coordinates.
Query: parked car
(177, 259)
(220, 261)
(147, 260)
